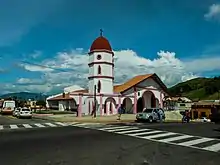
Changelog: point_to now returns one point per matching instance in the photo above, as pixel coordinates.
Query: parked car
(15, 112)
(204, 119)
(150, 114)
(24, 113)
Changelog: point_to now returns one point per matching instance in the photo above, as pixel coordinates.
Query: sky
(44, 43)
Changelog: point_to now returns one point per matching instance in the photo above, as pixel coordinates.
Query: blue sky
(47, 33)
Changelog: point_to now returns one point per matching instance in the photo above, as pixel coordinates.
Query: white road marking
(51, 125)
(116, 127)
(39, 125)
(145, 133)
(150, 134)
(120, 129)
(175, 138)
(27, 125)
(194, 142)
(131, 131)
(73, 123)
(159, 135)
(60, 123)
(1, 127)
(13, 126)
(215, 147)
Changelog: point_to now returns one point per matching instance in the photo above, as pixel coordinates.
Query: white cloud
(35, 55)
(36, 68)
(74, 66)
(28, 81)
(214, 12)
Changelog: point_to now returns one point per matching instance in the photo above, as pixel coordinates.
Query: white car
(24, 113)
(204, 119)
(15, 112)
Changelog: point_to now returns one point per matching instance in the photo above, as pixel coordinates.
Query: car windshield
(25, 109)
(147, 110)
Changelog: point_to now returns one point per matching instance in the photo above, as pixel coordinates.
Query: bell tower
(101, 66)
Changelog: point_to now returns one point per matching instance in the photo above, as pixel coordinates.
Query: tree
(41, 103)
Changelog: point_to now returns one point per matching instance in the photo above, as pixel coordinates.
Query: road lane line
(194, 142)
(51, 125)
(131, 131)
(159, 135)
(145, 133)
(27, 125)
(115, 127)
(74, 123)
(39, 125)
(60, 123)
(215, 147)
(175, 138)
(1, 127)
(120, 129)
(13, 126)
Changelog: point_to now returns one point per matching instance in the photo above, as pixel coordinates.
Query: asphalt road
(210, 130)
(71, 145)
(7, 119)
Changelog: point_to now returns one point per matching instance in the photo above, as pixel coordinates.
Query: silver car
(24, 113)
(15, 112)
(150, 114)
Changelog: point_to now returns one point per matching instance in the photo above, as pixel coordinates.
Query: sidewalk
(87, 119)
(125, 118)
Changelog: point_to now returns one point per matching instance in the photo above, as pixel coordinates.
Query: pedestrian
(119, 113)
(160, 115)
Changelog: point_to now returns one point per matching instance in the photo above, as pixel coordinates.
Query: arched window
(99, 86)
(99, 69)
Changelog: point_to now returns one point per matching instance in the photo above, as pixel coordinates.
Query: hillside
(198, 88)
(24, 96)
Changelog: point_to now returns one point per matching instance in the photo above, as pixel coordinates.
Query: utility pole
(95, 101)
(218, 96)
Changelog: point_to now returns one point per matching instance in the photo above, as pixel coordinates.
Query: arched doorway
(109, 106)
(157, 103)
(149, 99)
(140, 105)
(127, 105)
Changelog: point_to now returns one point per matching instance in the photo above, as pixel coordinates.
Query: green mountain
(198, 89)
(24, 96)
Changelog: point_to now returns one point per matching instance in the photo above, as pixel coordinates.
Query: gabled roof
(136, 80)
(119, 88)
(81, 91)
(60, 97)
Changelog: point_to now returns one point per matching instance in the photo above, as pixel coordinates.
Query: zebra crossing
(32, 125)
(196, 142)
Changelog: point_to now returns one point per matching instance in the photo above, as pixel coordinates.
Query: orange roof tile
(130, 83)
(118, 88)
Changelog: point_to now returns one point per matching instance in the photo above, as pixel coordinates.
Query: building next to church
(141, 91)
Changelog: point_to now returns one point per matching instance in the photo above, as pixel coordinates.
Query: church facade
(141, 91)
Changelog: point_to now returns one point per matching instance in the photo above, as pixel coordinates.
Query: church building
(141, 91)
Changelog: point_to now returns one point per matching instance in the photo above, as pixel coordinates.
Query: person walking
(119, 113)
(160, 115)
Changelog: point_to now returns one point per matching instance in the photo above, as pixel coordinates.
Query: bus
(7, 106)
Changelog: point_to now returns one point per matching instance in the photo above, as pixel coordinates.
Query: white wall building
(141, 91)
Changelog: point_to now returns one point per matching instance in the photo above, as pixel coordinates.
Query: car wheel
(150, 119)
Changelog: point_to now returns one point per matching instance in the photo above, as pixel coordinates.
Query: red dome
(101, 43)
